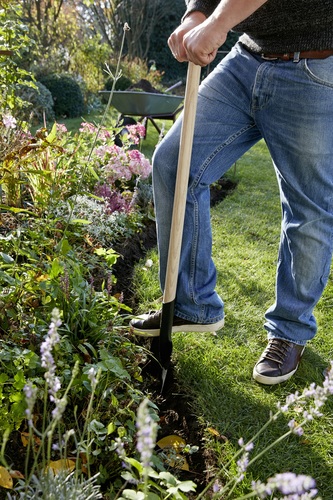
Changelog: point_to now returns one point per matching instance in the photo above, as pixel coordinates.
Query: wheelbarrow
(147, 106)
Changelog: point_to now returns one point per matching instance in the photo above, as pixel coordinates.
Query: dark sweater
(282, 25)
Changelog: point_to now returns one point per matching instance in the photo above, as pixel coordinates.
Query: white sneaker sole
(210, 328)
(263, 379)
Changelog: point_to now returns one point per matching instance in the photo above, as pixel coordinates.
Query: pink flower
(9, 121)
(88, 127)
(136, 132)
(139, 163)
(61, 128)
(104, 134)
(121, 164)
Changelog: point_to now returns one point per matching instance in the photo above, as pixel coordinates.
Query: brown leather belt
(296, 56)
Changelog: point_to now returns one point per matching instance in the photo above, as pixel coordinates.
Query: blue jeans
(290, 106)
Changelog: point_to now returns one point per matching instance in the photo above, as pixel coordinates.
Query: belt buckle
(297, 56)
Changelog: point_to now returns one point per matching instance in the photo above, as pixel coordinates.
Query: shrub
(40, 102)
(66, 93)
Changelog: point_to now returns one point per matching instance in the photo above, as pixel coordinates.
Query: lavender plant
(147, 482)
(52, 388)
(40, 481)
(63, 486)
(294, 487)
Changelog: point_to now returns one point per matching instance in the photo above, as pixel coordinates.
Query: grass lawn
(217, 370)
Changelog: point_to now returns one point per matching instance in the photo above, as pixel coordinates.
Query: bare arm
(198, 38)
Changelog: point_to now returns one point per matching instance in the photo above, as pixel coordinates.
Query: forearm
(229, 13)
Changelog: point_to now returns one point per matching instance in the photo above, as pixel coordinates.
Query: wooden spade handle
(183, 169)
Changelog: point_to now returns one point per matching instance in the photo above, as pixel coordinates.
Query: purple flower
(314, 397)
(295, 427)
(30, 397)
(247, 447)
(53, 382)
(146, 435)
(287, 483)
(60, 406)
(88, 127)
(61, 128)
(243, 462)
(115, 201)
(52, 338)
(136, 132)
(216, 487)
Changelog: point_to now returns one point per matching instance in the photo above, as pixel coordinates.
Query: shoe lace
(154, 314)
(277, 350)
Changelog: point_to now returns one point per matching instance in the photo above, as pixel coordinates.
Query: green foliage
(34, 167)
(62, 486)
(50, 261)
(13, 40)
(99, 224)
(122, 83)
(39, 264)
(17, 364)
(66, 93)
(55, 30)
(159, 51)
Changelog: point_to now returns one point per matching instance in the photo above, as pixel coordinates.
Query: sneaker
(278, 362)
(148, 325)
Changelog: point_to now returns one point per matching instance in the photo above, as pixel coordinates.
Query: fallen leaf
(25, 439)
(216, 433)
(16, 474)
(61, 465)
(84, 461)
(213, 431)
(6, 480)
(172, 441)
(42, 277)
(174, 444)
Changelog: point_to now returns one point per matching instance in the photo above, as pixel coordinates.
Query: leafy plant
(82, 372)
(66, 93)
(33, 167)
(13, 41)
(17, 365)
(40, 104)
(62, 486)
